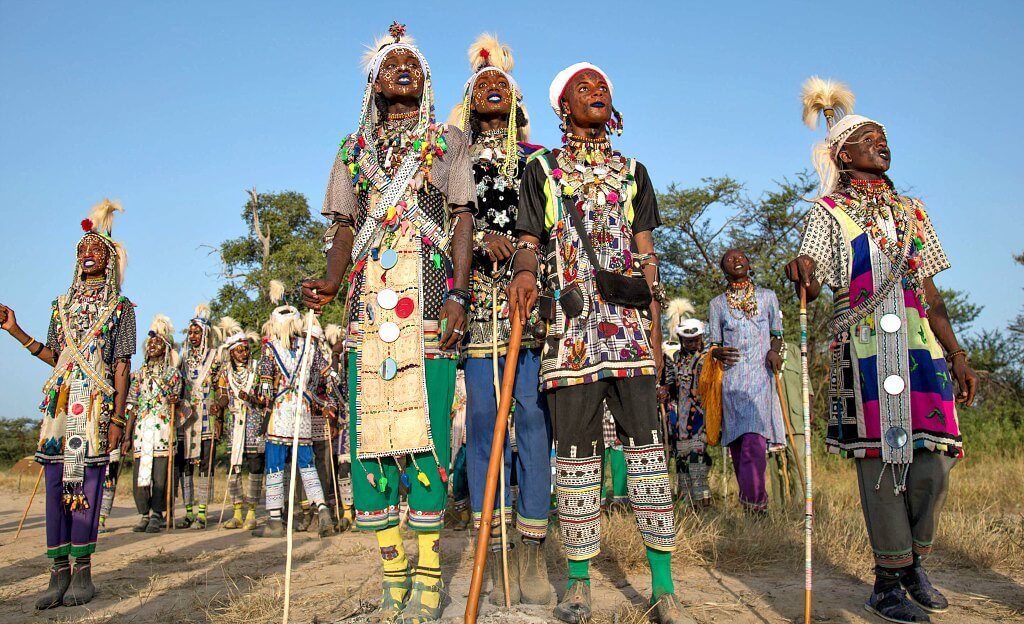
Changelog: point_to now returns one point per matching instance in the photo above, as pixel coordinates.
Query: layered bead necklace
(742, 296)
(591, 172)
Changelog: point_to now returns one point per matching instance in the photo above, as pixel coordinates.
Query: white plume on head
(229, 326)
(678, 309)
(487, 51)
(102, 215)
(163, 327)
(276, 291)
(370, 53)
(819, 95)
(202, 312)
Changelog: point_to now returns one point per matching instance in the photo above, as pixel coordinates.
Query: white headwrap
(690, 328)
(562, 80)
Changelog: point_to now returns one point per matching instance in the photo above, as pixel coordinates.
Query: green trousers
(377, 509)
(614, 471)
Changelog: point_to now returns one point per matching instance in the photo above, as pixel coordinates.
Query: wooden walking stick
(808, 493)
(39, 477)
(334, 475)
(501, 476)
(172, 449)
(303, 378)
(494, 465)
(789, 428)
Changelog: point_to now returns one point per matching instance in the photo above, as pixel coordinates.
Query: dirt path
(232, 578)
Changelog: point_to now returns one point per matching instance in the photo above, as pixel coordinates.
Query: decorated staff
(494, 118)
(400, 200)
(89, 344)
(591, 207)
(896, 369)
(197, 430)
(155, 389)
(242, 417)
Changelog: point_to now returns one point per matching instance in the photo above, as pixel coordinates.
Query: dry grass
(981, 527)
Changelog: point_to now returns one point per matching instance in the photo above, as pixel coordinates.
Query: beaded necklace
(742, 296)
(591, 172)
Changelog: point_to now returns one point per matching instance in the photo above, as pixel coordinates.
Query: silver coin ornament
(388, 369)
(896, 437)
(894, 384)
(388, 332)
(890, 323)
(388, 259)
(387, 299)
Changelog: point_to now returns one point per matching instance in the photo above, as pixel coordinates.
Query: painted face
(240, 353)
(155, 348)
(93, 256)
(735, 264)
(492, 94)
(401, 76)
(867, 150)
(588, 99)
(195, 335)
(692, 344)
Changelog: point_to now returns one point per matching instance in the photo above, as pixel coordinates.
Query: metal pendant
(863, 334)
(890, 323)
(388, 369)
(896, 437)
(388, 332)
(894, 384)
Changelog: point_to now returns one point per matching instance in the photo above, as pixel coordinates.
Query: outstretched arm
(36, 348)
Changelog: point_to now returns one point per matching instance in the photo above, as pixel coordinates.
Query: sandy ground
(227, 576)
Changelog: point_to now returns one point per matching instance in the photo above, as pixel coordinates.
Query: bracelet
(534, 247)
(29, 342)
(950, 356)
(38, 350)
(457, 297)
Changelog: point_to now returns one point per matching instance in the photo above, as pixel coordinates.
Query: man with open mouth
(400, 201)
(897, 370)
(89, 344)
(493, 116)
(594, 211)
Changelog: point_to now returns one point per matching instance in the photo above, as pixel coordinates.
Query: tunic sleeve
(461, 189)
(175, 389)
(530, 219)
(266, 371)
(340, 200)
(933, 256)
(821, 242)
(645, 203)
(774, 314)
(133, 391)
(124, 334)
(52, 342)
(715, 322)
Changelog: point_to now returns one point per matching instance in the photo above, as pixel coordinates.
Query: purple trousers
(750, 459)
(72, 532)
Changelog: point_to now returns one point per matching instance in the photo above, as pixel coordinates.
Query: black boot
(304, 519)
(575, 605)
(141, 525)
(60, 578)
(273, 528)
(81, 590)
(890, 602)
(915, 581)
(156, 523)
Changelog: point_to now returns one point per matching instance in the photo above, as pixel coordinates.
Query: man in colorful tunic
(745, 333)
(196, 437)
(242, 417)
(89, 344)
(689, 438)
(597, 345)
(897, 370)
(280, 370)
(494, 117)
(405, 184)
(155, 389)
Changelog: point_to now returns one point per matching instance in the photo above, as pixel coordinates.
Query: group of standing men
(448, 233)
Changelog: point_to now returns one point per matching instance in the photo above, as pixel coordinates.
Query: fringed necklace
(742, 296)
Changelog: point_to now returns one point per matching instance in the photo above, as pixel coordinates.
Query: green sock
(188, 512)
(661, 572)
(579, 571)
(202, 513)
(238, 511)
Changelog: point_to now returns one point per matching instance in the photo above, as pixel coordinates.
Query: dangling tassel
(420, 475)
(510, 167)
(440, 469)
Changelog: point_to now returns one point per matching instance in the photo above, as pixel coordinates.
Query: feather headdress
(487, 51)
(232, 332)
(285, 321)
(100, 225)
(835, 101)
(161, 328)
(202, 319)
(276, 291)
(678, 309)
(374, 54)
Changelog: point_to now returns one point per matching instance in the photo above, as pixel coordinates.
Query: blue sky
(176, 108)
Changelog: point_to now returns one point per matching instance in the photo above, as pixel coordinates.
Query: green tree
(283, 242)
(18, 438)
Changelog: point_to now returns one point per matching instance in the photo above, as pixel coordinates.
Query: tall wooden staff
(501, 475)
(39, 477)
(172, 449)
(494, 466)
(303, 378)
(808, 495)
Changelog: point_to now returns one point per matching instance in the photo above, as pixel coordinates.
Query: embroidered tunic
(889, 380)
(199, 375)
(606, 340)
(750, 401)
(151, 388)
(497, 201)
(243, 420)
(279, 372)
(689, 409)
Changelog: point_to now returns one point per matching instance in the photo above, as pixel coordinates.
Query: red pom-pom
(86, 225)
(485, 54)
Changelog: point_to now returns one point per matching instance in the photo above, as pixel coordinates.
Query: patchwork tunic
(151, 389)
(689, 438)
(244, 420)
(199, 375)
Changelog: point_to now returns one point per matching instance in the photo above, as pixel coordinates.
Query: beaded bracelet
(950, 356)
(459, 298)
(529, 246)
